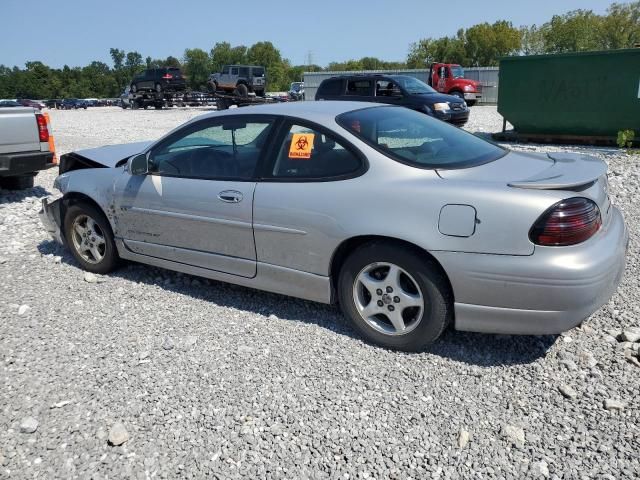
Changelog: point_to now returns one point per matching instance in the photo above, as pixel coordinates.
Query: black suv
(159, 80)
(399, 90)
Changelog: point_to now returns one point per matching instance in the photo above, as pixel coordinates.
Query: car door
(225, 77)
(304, 200)
(195, 204)
(387, 91)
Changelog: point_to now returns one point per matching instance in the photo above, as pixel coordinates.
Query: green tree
(485, 43)
(620, 28)
(532, 40)
(223, 53)
(197, 67)
(574, 31)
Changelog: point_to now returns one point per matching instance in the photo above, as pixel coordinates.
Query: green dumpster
(575, 94)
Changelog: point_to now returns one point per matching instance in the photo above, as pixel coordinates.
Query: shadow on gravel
(474, 349)
(7, 196)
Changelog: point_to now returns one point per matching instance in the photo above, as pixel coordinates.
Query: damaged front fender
(51, 217)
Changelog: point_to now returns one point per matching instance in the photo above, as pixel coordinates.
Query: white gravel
(147, 373)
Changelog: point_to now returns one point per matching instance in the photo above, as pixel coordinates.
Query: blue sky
(75, 32)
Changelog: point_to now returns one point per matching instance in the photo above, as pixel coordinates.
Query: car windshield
(258, 72)
(419, 140)
(411, 85)
(457, 71)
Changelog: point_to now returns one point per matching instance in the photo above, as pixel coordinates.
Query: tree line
(480, 45)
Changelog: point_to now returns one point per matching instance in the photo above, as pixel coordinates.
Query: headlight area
(441, 107)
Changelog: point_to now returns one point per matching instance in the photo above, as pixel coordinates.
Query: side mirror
(138, 165)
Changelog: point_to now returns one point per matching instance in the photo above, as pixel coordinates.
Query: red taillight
(43, 129)
(167, 76)
(568, 222)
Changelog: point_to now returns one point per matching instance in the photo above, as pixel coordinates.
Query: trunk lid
(579, 175)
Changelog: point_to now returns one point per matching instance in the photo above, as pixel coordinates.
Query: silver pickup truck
(24, 147)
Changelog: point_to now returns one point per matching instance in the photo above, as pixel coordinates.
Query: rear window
(419, 140)
(331, 87)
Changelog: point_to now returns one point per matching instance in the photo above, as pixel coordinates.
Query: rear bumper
(548, 292)
(21, 163)
(51, 218)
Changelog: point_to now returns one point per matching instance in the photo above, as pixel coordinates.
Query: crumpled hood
(111, 155)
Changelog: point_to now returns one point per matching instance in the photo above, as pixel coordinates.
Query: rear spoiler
(569, 171)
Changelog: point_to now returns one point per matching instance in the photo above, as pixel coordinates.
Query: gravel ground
(147, 373)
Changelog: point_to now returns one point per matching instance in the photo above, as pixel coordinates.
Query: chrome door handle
(230, 196)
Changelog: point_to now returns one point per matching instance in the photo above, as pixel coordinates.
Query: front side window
(416, 139)
(244, 71)
(386, 88)
(226, 149)
(311, 154)
(225, 70)
(359, 87)
(234, 71)
(412, 85)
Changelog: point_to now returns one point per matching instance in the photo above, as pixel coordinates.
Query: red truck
(449, 78)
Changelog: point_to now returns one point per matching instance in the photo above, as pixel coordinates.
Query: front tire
(458, 94)
(395, 297)
(90, 239)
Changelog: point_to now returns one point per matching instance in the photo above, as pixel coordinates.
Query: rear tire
(242, 90)
(406, 303)
(89, 237)
(18, 182)
(471, 103)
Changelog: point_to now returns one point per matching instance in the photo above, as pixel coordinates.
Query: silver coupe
(408, 223)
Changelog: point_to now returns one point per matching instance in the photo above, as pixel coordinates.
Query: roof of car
(314, 111)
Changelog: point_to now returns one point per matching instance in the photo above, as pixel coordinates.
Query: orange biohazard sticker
(301, 145)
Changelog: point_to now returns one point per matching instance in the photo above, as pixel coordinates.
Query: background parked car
(239, 80)
(9, 103)
(53, 103)
(400, 90)
(73, 104)
(160, 80)
(296, 91)
(31, 103)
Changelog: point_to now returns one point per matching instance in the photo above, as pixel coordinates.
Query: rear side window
(306, 153)
(359, 87)
(331, 87)
(417, 139)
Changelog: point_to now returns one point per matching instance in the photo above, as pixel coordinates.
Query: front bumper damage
(51, 217)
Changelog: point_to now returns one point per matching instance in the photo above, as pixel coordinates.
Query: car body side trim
(274, 228)
(270, 278)
(188, 216)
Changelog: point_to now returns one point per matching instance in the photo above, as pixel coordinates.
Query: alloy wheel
(388, 298)
(88, 239)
